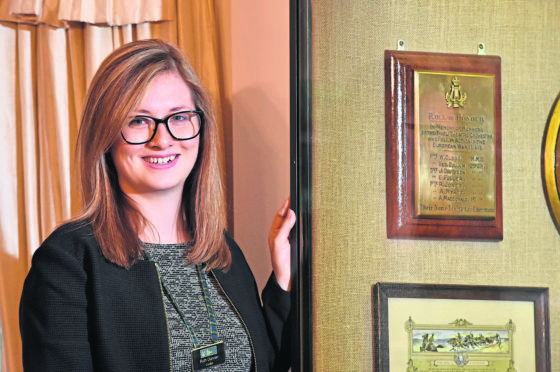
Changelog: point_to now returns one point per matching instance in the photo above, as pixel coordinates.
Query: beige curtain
(49, 51)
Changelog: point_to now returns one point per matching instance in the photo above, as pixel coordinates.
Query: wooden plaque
(443, 146)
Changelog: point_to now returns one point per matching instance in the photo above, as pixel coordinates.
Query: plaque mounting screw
(481, 48)
(400, 44)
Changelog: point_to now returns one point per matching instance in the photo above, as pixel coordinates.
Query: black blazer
(80, 312)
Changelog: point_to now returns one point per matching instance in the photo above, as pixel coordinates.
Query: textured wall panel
(350, 248)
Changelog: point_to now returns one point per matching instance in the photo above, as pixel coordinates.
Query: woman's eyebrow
(170, 111)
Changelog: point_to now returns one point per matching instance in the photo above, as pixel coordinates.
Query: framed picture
(443, 121)
(460, 328)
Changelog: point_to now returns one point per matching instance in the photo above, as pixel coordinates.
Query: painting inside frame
(451, 328)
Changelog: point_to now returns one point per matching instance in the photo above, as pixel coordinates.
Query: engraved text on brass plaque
(455, 154)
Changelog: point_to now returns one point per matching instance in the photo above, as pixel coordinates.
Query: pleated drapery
(50, 50)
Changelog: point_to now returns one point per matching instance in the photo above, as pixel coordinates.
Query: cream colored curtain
(49, 51)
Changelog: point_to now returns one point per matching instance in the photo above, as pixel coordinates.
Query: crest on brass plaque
(455, 98)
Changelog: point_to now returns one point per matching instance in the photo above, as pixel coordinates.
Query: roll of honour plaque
(454, 145)
(443, 146)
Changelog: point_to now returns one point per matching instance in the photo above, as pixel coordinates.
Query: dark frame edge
(300, 184)
(539, 296)
(380, 328)
(542, 321)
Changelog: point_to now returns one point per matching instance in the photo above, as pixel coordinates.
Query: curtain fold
(51, 50)
(103, 12)
(26, 108)
(26, 8)
(115, 12)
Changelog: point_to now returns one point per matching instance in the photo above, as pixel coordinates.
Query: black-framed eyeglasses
(182, 126)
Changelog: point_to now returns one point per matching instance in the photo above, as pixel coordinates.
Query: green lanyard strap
(211, 316)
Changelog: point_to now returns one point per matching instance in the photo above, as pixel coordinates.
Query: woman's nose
(162, 138)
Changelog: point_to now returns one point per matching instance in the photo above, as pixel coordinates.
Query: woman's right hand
(279, 244)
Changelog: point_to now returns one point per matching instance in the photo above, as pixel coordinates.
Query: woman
(145, 278)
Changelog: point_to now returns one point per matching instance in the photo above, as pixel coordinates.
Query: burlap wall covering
(350, 248)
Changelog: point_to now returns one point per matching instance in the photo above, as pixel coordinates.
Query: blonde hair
(115, 90)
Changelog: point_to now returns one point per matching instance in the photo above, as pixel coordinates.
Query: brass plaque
(455, 145)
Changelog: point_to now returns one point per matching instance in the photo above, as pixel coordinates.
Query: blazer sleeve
(276, 308)
(53, 313)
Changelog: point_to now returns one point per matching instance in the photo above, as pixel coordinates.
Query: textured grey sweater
(184, 285)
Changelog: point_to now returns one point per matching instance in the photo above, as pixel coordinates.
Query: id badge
(208, 356)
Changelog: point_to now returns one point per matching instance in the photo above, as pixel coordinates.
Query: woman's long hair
(115, 90)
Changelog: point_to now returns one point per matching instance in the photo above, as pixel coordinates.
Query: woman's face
(163, 164)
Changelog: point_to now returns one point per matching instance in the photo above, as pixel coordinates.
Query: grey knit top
(184, 285)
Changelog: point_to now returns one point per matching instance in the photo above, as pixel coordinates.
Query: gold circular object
(550, 162)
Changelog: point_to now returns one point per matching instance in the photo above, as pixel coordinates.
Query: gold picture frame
(550, 162)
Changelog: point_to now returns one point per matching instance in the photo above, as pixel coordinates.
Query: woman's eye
(180, 118)
(138, 122)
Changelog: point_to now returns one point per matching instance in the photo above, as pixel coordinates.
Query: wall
(350, 248)
(260, 126)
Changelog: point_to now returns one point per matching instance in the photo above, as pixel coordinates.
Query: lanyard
(211, 316)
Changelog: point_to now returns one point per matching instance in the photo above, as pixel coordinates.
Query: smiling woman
(146, 277)
(52, 50)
